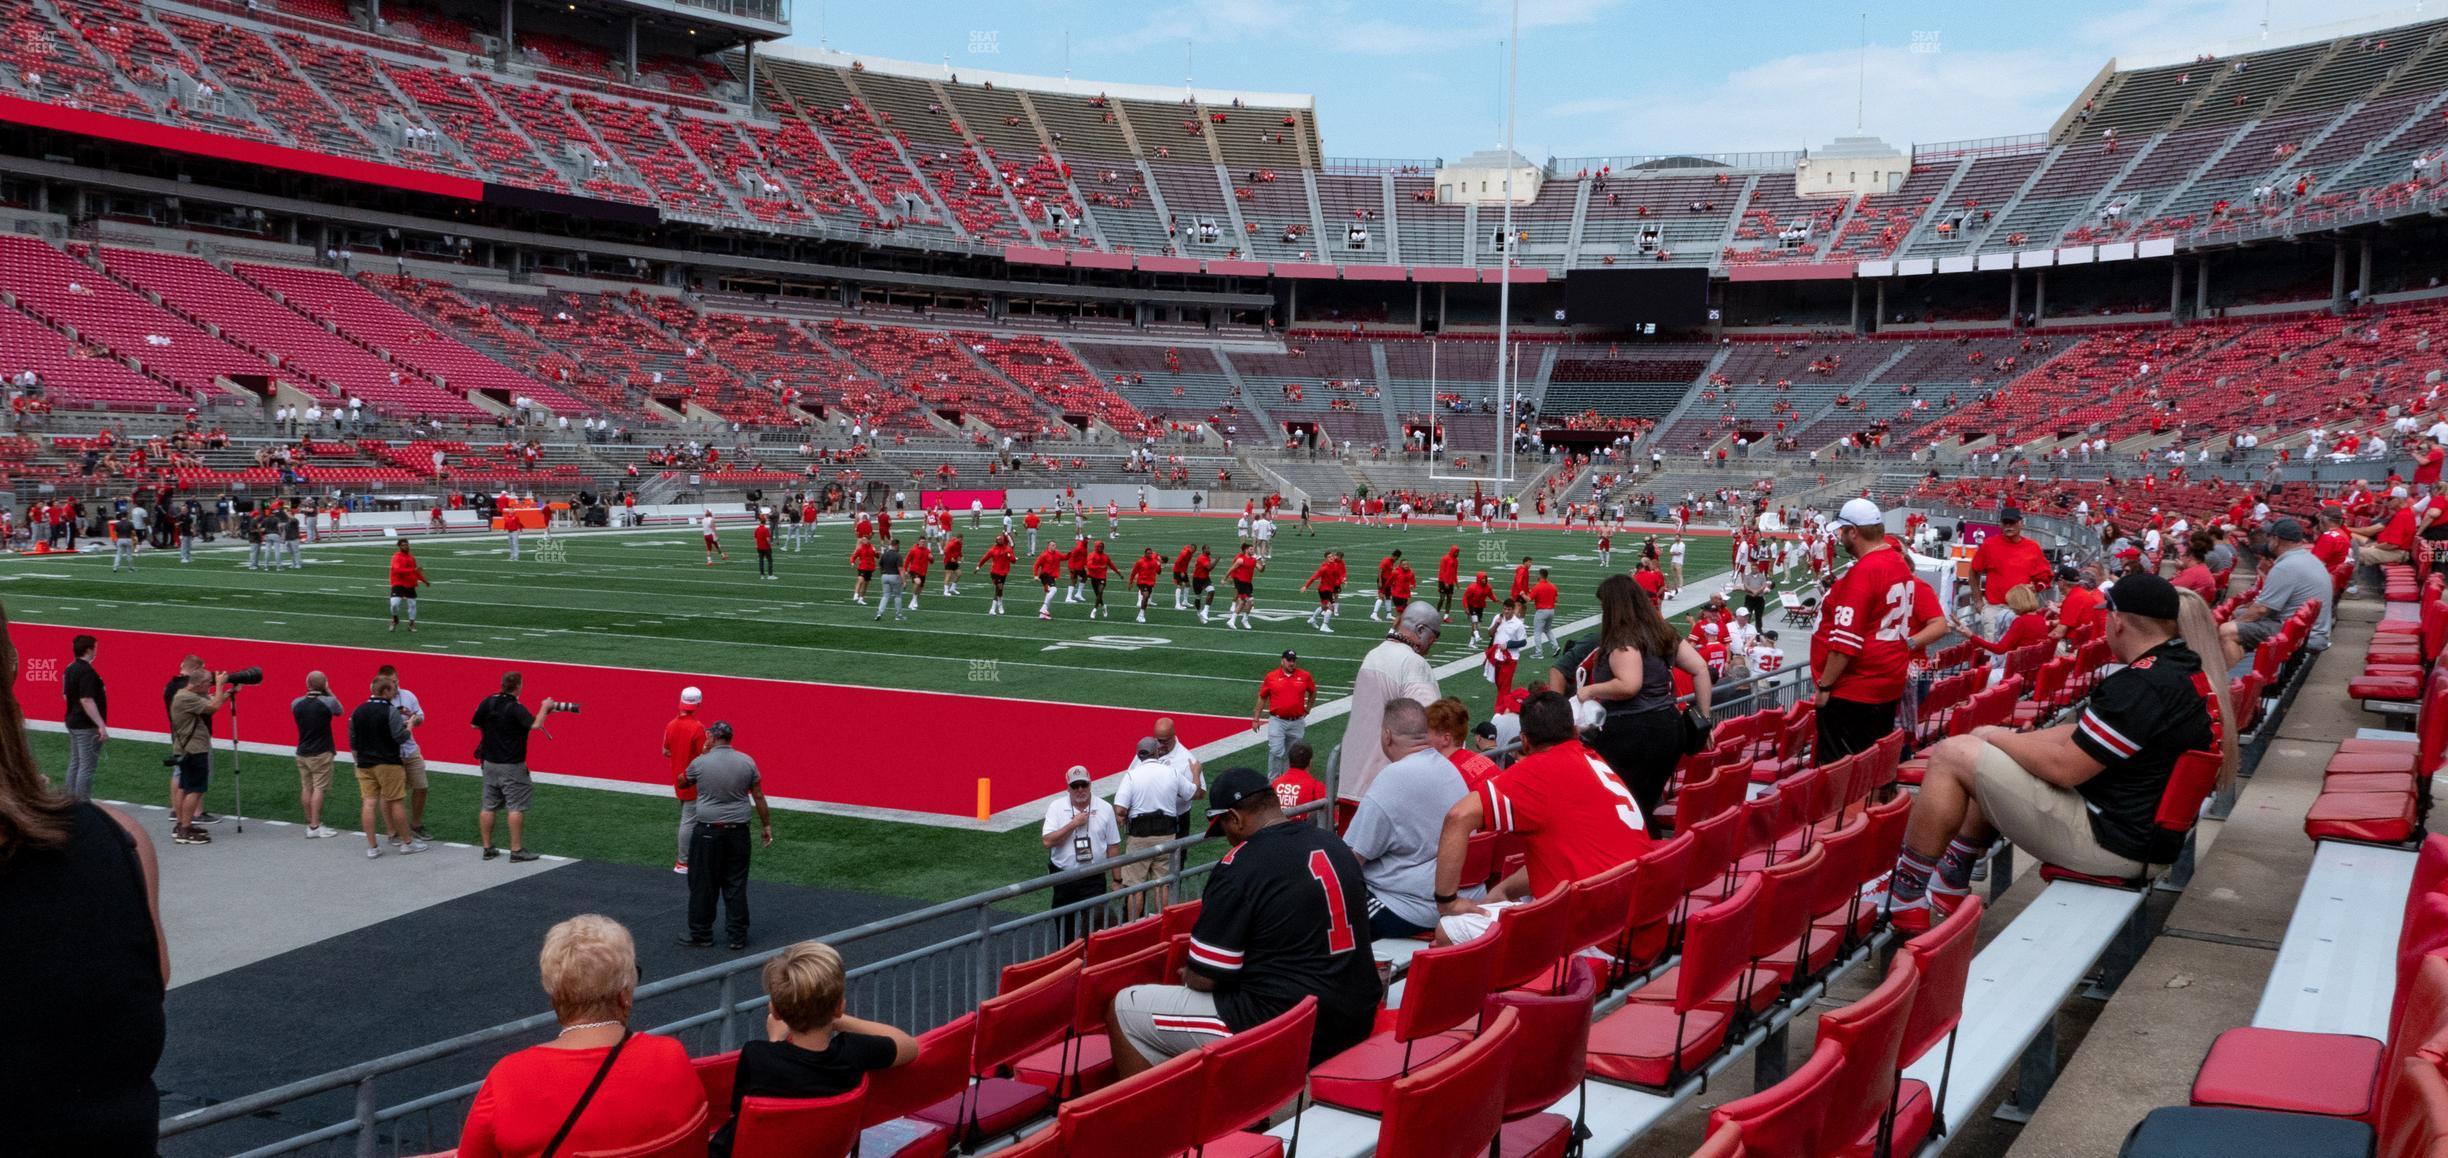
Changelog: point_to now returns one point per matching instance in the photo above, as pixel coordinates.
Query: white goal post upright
(1508, 359)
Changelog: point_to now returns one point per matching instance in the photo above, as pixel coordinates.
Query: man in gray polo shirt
(1400, 819)
(2294, 575)
(727, 789)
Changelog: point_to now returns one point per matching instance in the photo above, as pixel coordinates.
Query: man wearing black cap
(1277, 924)
(727, 786)
(2005, 561)
(1285, 698)
(2082, 796)
(2295, 577)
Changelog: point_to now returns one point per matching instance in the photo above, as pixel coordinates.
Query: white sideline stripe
(2336, 971)
(2016, 985)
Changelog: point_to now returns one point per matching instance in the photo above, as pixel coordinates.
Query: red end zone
(823, 743)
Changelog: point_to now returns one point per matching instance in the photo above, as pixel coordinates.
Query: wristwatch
(1443, 899)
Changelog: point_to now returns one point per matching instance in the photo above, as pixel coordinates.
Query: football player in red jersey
(1100, 565)
(1244, 576)
(1143, 576)
(1328, 579)
(862, 560)
(913, 570)
(951, 560)
(1048, 569)
(1385, 587)
(1181, 577)
(1449, 576)
(1078, 564)
(1202, 583)
(998, 568)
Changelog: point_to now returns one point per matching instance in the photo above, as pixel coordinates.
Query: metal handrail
(981, 907)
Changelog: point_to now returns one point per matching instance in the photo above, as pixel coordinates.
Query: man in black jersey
(1284, 917)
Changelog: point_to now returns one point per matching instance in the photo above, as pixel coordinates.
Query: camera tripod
(237, 760)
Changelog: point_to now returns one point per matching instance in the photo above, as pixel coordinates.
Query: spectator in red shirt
(2081, 606)
(1869, 625)
(1521, 581)
(2004, 560)
(2427, 463)
(1651, 580)
(1542, 613)
(1294, 786)
(1449, 730)
(2192, 574)
(1285, 698)
(2334, 545)
(764, 549)
(2391, 540)
(1574, 815)
(590, 972)
(406, 577)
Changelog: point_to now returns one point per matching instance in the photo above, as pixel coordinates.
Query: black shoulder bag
(571, 1123)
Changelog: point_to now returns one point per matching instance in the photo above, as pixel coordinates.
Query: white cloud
(1807, 100)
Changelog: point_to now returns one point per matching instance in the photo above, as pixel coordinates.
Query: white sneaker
(373, 853)
(680, 868)
(1044, 614)
(1325, 629)
(1143, 617)
(1202, 616)
(413, 846)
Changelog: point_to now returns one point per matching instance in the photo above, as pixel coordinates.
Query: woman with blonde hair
(2199, 629)
(596, 1085)
(2028, 626)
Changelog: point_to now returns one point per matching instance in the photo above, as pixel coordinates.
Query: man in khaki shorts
(2083, 796)
(314, 713)
(1150, 804)
(412, 759)
(377, 731)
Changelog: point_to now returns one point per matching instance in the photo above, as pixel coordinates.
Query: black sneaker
(205, 818)
(490, 853)
(420, 833)
(193, 835)
(521, 856)
(694, 943)
(736, 946)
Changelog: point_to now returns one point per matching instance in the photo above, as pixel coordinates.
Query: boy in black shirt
(815, 1050)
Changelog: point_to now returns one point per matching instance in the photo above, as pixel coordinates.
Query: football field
(876, 734)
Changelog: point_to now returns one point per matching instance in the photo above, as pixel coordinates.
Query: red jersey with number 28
(1870, 615)
(1576, 816)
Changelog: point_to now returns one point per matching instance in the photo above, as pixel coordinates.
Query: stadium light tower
(1504, 267)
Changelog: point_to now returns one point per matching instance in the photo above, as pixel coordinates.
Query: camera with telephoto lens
(561, 706)
(243, 677)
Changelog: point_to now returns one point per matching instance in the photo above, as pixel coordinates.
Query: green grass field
(645, 599)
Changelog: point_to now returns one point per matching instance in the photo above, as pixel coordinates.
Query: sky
(1598, 77)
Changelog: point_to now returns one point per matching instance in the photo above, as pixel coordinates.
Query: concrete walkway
(214, 897)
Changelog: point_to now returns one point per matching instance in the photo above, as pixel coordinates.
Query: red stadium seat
(715, 1074)
(1138, 1115)
(689, 1141)
(1250, 1075)
(1550, 1059)
(888, 1128)
(1784, 1120)
(1871, 1031)
(1942, 960)
(1444, 1110)
(1442, 991)
(798, 1127)
(1083, 1060)
(1656, 1045)
(1010, 1026)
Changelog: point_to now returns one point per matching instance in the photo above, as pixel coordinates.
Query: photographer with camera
(191, 714)
(502, 725)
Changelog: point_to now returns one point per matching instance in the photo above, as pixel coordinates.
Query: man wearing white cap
(1079, 830)
(684, 739)
(1870, 622)
(2391, 540)
(1395, 669)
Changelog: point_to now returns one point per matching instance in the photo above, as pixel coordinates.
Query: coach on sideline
(1079, 830)
(727, 785)
(1285, 698)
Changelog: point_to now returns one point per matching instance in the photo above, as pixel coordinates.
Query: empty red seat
(1657, 1044)
(1443, 990)
(1784, 1120)
(1444, 1109)
(798, 1127)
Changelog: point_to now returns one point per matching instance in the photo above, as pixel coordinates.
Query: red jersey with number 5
(1873, 611)
(1572, 811)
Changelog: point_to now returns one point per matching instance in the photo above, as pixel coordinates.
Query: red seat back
(1250, 1074)
(1658, 885)
(940, 1071)
(798, 1127)
(1723, 1142)
(1139, 1115)
(1019, 974)
(1713, 847)
(1446, 984)
(689, 1141)
(1716, 947)
(1478, 858)
(1123, 940)
(1942, 958)
(1443, 1110)
(1099, 984)
(1715, 793)
(1602, 905)
(1849, 856)
(715, 1074)
(1536, 934)
(2189, 783)
(1179, 918)
(1887, 824)
(1013, 1025)
(1870, 1030)
(1783, 1121)
(1552, 1054)
(1787, 891)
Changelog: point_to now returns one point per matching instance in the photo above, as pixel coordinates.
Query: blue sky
(1598, 77)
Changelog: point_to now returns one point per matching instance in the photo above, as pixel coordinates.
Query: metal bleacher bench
(2336, 971)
